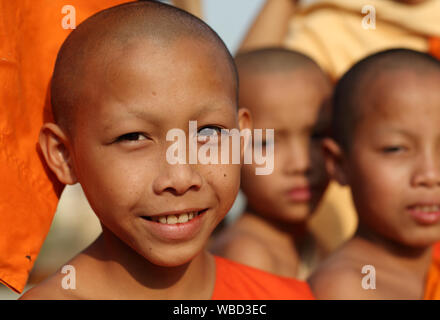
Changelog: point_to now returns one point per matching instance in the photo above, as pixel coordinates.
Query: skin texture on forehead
(91, 46)
(271, 60)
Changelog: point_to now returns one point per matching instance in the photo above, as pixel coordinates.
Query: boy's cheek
(225, 180)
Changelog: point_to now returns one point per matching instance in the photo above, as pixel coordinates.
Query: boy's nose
(177, 179)
(427, 173)
(297, 159)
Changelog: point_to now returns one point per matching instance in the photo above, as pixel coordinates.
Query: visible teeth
(163, 219)
(171, 219)
(432, 208)
(182, 218)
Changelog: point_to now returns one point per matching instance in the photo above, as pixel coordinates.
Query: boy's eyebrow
(208, 108)
(152, 118)
(141, 114)
(400, 131)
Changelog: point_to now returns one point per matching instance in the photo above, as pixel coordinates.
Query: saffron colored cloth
(31, 32)
(432, 287)
(235, 281)
(337, 33)
(434, 47)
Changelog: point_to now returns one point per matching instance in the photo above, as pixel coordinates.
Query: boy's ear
(245, 123)
(53, 143)
(334, 161)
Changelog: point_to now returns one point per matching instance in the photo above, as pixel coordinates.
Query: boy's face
(119, 146)
(291, 103)
(393, 166)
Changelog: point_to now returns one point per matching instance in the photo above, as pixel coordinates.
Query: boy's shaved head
(274, 60)
(354, 90)
(89, 49)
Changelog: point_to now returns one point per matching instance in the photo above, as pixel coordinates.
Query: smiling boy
(123, 79)
(386, 147)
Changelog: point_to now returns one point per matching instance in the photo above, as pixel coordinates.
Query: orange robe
(31, 33)
(235, 281)
(432, 287)
(434, 47)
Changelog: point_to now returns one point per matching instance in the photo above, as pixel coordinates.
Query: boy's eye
(132, 136)
(208, 131)
(318, 135)
(393, 149)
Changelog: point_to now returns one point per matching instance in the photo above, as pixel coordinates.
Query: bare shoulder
(73, 281)
(342, 276)
(245, 248)
(50, 289)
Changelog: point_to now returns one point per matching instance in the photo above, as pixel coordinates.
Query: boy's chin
(172, 257)
(415, 239)
(421, 241)
(299, 215)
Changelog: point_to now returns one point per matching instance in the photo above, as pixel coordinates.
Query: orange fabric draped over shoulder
(432, 287)
(434, 47)
(235, 281)
(31, 33)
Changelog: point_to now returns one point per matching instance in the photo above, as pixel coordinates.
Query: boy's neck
(143, 280)
(293, 233)
(411, 258)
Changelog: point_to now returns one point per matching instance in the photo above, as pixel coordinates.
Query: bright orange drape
(235, 281)
(30, 36)
(434, 47)
(432, 289)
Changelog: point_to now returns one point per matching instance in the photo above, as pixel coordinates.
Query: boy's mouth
(175, 218)
(426, 208)
(425, 213)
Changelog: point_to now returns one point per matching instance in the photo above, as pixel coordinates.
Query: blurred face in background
(291, 103)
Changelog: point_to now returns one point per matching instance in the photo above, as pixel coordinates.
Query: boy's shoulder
(246, 248)
(76, 280)
(240, 282)
(50, 289)
(344, 275)
(337, 280)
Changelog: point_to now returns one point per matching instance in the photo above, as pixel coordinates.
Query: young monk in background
(386, 147)
(115, 98)
(285, 91)
(332, 33)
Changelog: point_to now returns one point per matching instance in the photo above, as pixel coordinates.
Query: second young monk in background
(386, 147)
(285, 91)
